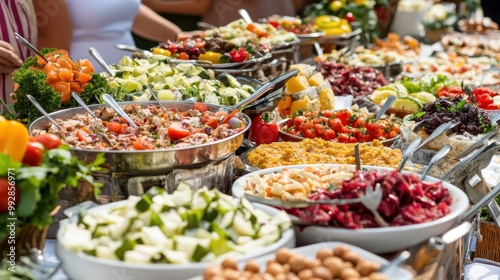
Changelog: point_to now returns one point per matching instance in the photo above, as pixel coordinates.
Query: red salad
(406, 200)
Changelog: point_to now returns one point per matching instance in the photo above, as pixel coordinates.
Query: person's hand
(9, 60)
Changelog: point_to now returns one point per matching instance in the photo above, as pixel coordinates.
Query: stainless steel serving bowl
(151, 162)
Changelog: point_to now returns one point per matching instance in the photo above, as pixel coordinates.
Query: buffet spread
(204, 171)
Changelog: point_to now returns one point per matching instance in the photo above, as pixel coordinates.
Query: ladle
(29, 46)
(40, 108)
(388, 103)
(439, 155)
(245, 16)
(115, 106)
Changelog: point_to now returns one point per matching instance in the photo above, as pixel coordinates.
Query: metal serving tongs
(486, 145)
(479, 143)
(29, 46)
(469, 91)
(145, 53)
(462, 226)
(438, 156)
(388, 103)
(409, 152)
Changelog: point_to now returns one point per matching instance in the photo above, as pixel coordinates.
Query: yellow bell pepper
(210, 56)
(162, 51)
(14, 139)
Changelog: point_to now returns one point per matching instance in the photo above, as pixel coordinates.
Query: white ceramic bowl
(81, 266)
(310, 251)
(376, 240)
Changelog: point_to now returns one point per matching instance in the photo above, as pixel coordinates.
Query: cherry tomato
(349, 17)
(49, 141)
(374, 130)
(117, 128)
(343, 138)
(34, 154)
(360, 122)
(200, 106)
(328, 134)
(213, 123)
(274, 23)
(183, 56)
(264, 130)
(297, 121)
(8, 193)
(484, 100)
(310, 133)
(344, 116)
(176, 131)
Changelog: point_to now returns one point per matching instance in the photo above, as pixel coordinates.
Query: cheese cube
(326, 99)
(296, 84)
(316, 80)
(299, 105)
(304, 69)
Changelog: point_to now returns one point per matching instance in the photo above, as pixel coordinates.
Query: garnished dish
(216, 50)
(410, 211)
(406, 200)
(412, 94)
(341, 126)
(308, 91)
(158, 128)
(52, 82)
(408, 46)
(472, 44)
(352, 80)
(173, 82)
(241, 33)
(320, 261)
(472, 124)
(178, 234)
(297, 183)
(488, 98)
(456, 67)
(364, 57)
(317, 150)
(294, 25)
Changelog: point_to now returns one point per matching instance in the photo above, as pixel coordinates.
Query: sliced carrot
(228, 117)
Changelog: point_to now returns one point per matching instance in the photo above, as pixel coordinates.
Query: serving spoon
(388, 103)
(409, 152)
(29, 46)
(97, 56)
(115, 106)
(80, 101)
(245, 16)
(40, 108)
(439, 155)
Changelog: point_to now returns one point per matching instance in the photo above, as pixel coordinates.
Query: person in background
(34, 20)
(103, 24)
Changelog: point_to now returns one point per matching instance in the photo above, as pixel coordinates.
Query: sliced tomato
(33, 155)
(200, 106)
(115, 127)
(83, 136)
(310, 133)
(344, 116)
(328, 134)
(343, 138)
(176, 131)
(49, 141)
(212, 123)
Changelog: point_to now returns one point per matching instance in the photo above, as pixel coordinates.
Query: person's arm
(150, 25)
(54, 24)
(9, 60)
(182, 7)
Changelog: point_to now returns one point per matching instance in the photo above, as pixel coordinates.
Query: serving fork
(371, 200)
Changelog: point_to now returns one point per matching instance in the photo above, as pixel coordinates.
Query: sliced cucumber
(425, 97)
(408, 104)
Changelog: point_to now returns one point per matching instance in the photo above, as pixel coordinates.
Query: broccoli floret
(33, 82)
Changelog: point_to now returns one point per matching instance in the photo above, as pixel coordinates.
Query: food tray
(310, 252)
(234, 65)
(344, 37)
(310, 37)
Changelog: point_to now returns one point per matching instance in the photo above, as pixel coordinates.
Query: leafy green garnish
(461, 104)
(40, 185)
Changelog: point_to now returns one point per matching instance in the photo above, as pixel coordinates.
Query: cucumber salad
(183, 227)
(173, 82)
